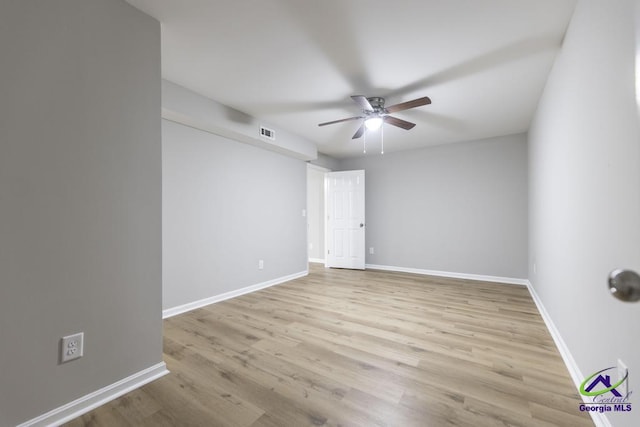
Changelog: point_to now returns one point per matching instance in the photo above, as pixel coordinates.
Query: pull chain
(382, 138)
(364, 141)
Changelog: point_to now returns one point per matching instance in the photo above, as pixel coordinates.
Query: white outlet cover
(72, 347)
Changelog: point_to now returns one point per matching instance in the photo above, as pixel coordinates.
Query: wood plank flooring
(357, 348)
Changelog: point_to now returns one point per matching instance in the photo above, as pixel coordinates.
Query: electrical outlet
(260, 264)
(71, 347)
(623, 371)
(371, 250)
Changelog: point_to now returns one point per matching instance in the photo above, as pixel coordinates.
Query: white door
(345, 219)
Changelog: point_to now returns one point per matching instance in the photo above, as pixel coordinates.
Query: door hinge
(328, 251)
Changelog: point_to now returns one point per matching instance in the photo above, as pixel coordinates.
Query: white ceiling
(295, 63)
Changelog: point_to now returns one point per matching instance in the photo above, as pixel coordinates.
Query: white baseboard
(599, 419)
(91, 401)
(174, 311)
(318, 260)
(495, 279)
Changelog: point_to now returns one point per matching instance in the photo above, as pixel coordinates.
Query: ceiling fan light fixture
(375, 114)
(373, 123)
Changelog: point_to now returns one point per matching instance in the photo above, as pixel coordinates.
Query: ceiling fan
(375, 114)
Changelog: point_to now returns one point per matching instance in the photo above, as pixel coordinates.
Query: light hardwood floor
(357, 348)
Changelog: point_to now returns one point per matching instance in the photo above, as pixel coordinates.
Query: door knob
(625, 285)
(361, 224)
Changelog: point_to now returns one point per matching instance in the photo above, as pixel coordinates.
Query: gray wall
(80, 176)
(458, 208)
(584, 152)
(326, 162)
(226, 205)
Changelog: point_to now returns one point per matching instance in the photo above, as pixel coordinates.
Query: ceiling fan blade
(359, 132)
(362, 102)
(339, 121)
(399, 122)
(409, 104)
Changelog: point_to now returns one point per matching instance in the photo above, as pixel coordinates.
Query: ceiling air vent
(267, 133)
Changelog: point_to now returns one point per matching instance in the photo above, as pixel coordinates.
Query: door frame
(323, 219)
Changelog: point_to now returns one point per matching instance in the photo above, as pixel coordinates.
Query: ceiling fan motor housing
(377, 103)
